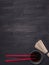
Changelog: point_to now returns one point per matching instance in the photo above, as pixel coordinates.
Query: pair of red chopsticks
(19, 57)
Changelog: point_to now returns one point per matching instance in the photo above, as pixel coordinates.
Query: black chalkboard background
(22, 24)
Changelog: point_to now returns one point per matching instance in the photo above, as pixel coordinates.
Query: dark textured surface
(22, 23)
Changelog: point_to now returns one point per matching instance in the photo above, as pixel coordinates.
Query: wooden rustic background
(22, 23)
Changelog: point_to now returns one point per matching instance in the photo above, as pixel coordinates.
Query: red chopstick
(18, 60)
(17, 55)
